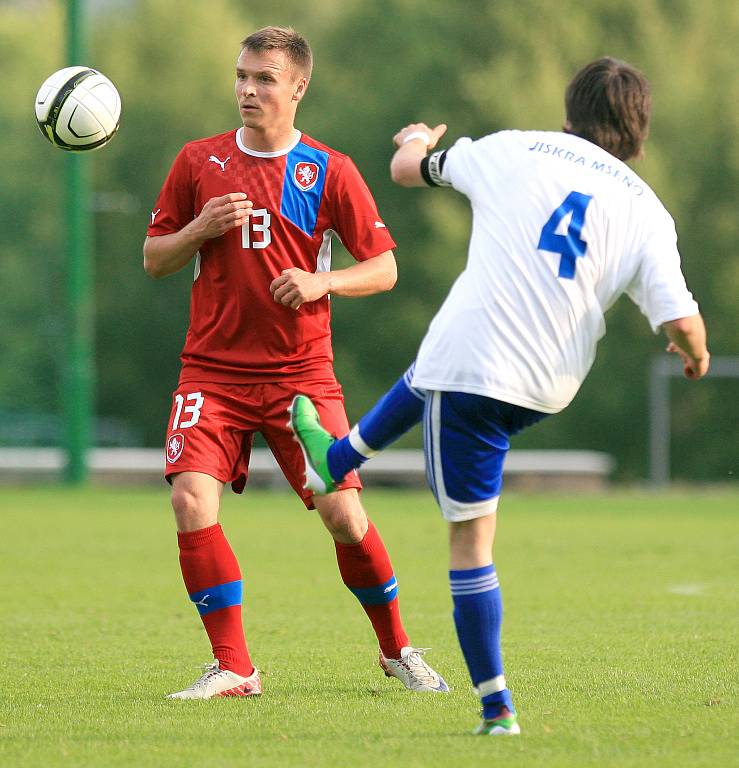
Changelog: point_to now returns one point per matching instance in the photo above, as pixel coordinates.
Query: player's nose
(244, 88)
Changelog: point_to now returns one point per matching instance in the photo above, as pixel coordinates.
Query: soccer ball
(78, 109)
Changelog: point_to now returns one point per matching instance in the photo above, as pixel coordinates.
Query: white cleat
(221, 682)
(413, 671)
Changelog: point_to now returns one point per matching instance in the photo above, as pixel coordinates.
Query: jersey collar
(278, 153)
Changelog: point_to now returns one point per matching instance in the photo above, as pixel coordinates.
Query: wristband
(423, 135)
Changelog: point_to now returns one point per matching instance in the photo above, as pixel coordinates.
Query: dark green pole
(78, 379)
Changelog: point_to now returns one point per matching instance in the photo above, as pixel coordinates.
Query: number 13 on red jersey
(256, 233)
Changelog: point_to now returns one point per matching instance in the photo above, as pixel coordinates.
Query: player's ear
(301, 84)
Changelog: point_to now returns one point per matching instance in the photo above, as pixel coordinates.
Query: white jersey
(560, 229)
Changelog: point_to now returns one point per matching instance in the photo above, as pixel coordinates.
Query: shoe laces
(414, 663)
(211, 670)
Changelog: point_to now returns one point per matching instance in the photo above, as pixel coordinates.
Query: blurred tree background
(478, 66)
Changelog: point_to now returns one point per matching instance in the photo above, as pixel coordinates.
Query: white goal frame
(662, 369)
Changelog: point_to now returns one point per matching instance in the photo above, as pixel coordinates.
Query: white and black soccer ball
(78, 109)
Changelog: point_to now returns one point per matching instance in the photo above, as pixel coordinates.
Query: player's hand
(220, 214)
(295, 286)
(434, 134)
(692, 368)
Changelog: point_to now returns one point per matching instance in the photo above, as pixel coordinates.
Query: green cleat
(506, 724)
(314, 441)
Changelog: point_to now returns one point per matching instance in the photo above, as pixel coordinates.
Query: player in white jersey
(561, 228)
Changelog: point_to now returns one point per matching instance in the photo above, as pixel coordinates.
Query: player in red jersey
(256, 208)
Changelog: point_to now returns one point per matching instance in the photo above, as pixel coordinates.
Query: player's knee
(183, 500)
(346, 522)
(347, 530)
(191, 509)
(471, 542)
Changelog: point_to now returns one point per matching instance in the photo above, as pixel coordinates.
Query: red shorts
(211, 428)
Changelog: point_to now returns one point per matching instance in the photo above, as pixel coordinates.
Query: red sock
(367, 571)
(213, 581)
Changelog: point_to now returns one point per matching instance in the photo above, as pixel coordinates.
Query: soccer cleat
(314, 442)
(413, 671)
(505, 724)
(221, 682)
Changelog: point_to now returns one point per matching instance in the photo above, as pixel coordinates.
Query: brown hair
(285, 39)
(608, 102)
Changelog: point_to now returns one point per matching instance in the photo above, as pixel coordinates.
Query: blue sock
(478, 615)
(393, 415)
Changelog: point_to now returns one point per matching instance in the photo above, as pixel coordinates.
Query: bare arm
(687, 337)
(405, 167)
(295, 286)
(166, 254)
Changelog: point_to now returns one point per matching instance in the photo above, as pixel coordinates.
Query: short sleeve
(175, 205)
(460, 167)
(354, 216)
(658, 287)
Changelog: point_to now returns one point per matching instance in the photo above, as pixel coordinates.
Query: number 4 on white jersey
(569, 246)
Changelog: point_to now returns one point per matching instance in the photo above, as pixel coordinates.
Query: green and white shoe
(314, 441)
(505, 724)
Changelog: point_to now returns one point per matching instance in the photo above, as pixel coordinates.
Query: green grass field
(620, 635)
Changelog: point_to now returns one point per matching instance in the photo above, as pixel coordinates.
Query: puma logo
(222, 163)
(202, 601)
(154, 214)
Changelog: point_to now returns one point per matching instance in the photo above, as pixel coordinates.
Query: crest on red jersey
(175, 446)
(305, 175)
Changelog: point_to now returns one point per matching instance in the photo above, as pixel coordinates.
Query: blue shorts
(466, 438)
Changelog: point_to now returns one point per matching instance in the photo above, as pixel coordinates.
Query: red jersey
(301, 195)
